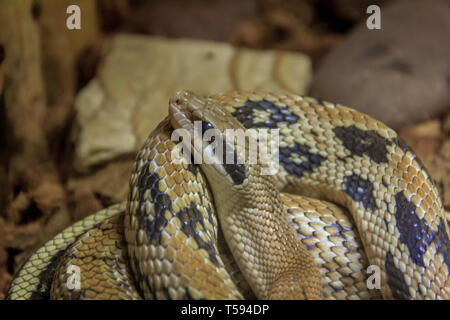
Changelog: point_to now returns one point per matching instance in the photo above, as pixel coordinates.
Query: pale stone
(120, 107)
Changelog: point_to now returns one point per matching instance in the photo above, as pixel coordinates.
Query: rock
(399, 74)
(118, 109)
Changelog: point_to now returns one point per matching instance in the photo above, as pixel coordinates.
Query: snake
(343, 209)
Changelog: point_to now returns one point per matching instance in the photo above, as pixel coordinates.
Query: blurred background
(80, 90)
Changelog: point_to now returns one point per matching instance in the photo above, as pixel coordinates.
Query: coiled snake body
(166, 241)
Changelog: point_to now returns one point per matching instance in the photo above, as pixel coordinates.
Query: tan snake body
(172, 249)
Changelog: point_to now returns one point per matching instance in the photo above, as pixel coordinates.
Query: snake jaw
(224, 154)
(178, 118)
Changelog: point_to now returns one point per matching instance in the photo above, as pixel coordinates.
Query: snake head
(211, 132)
(185, 107)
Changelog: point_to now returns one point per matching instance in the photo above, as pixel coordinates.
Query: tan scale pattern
(28, 281)
(274, 262)
(176, 268)
(101, 257)
(329, 234)
(401, 173)
(341, 270)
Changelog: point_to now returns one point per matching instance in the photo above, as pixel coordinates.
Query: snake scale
(348, 193)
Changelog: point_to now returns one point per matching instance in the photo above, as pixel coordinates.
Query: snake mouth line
(188, 122)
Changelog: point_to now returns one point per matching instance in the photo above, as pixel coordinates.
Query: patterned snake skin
(226, 232)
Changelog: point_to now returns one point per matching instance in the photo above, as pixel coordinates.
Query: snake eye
(206, 126)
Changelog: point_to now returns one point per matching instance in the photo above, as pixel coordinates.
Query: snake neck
(255, 226)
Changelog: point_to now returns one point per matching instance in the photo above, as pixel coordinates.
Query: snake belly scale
(349, 193)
